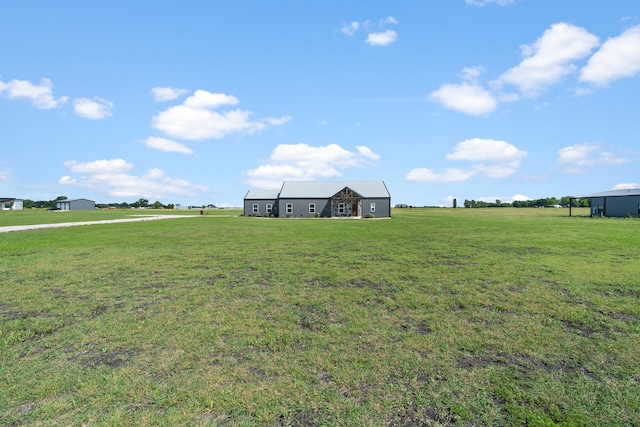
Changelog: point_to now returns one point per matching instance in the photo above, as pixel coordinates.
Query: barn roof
(261, 195)
(324, 189)
(612, 193)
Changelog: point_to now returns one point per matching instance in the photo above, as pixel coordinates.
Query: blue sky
(197, 102)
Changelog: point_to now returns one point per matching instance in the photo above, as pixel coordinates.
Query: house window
(289, 208)
(255, 208)
(341, 208)
(312, 208)
(372, 208)
(269, 208)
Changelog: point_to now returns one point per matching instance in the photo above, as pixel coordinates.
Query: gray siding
(620, 206)
(301, 208)
(323, 208)
(382, 208)
(262, 206)
(76, 205)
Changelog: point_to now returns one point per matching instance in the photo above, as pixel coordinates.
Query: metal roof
(262, 195)
(612, 193)
(325, 189)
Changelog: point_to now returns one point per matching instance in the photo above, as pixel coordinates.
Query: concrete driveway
(11, 228)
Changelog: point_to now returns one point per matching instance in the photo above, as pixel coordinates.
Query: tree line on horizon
(140, 203)
(534, 203)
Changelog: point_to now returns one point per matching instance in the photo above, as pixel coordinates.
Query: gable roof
(261, 195)
(613, 193)
(72, 200)
(325, 189)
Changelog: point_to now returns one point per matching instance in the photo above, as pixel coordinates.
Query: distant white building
(11, 204)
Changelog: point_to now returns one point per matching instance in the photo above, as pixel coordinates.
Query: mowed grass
(433, 317)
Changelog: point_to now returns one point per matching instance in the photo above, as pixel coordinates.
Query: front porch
(346, 204)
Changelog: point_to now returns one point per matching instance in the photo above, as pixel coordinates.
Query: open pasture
(432, 317)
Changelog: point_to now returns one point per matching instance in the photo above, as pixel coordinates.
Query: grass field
(434, 317)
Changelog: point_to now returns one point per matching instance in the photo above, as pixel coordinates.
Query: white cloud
(4, 175)
(204, 99)
(491, 158)
(471, 74)
(195, 120)
(506, 199)
(377, 35)
(481, 150)
(576, 158)
(305, 162)
(41, 96)
(99, 166)
(519, 198)
(161, 94)
(626, 186)
(485, 2)
(618, 58)
(350, 28)
(168, 145)
(466, 98)
(498, 170)
(110, 177)
(549, 59)
(383, 38)
(94, 109)
(277, 121)
(424, 175)
(388, 20)
(366, 152)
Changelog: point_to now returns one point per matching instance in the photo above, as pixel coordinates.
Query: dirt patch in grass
(299, 419)
(522, 363)
(110, 358)
(316, 319)
(620, 291)
(419, 327)
(363, 283)
(579, 328)
(419, 417)
(9, 313)
(626, 318)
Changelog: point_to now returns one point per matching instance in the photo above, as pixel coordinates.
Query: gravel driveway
(10, 228)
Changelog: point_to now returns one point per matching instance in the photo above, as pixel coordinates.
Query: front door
(354, 209)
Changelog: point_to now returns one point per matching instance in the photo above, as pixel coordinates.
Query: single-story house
(310, 199)
(76, 205)
(11, 204)
(614, 203)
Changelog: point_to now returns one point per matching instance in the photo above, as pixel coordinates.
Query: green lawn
(433, 317)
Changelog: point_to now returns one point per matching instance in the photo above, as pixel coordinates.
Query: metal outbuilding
(614, 203)
(308, 199)
(76, 205)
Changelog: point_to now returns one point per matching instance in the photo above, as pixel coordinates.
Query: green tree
(141, 203)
